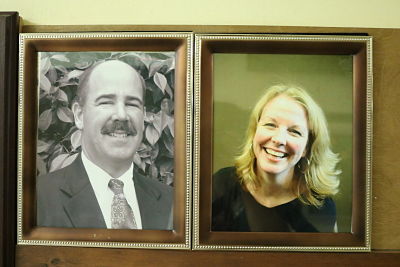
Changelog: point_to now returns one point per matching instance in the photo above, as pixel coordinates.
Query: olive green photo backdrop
(241, 79)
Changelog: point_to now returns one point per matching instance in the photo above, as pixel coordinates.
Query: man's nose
(120, 112)
(279, 137)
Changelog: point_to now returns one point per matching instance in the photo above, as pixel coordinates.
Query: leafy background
(59, 140)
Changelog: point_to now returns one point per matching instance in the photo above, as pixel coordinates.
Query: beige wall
(330, 13)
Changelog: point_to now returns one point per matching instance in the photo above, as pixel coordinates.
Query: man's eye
(105, 103)
(133, 104)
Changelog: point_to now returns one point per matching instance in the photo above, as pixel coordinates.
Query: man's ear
(78, 115)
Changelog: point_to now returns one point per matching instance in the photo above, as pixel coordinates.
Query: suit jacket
(65, 198)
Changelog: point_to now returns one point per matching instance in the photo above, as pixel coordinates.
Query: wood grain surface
(8, 136)
(385, 170)
(99, 257)
(386, 162)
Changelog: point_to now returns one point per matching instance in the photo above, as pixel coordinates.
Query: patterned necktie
(121, 213)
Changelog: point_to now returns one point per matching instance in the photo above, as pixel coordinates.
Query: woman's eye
(296, 132)
(269, 124)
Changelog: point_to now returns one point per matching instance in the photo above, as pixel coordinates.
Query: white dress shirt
(99, 180)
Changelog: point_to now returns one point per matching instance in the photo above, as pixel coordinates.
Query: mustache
(117, 125)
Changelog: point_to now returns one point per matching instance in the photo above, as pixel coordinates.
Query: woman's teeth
(275, 153)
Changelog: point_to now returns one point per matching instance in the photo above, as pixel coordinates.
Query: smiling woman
(286, 174)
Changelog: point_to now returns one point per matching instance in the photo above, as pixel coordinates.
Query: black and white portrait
(105, 140)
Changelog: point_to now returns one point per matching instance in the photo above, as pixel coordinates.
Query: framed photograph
(282, 142)
(105, 130)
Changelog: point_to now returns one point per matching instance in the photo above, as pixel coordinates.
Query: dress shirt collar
(102, 177)
(99, 180)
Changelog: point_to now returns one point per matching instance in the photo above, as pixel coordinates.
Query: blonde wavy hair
(319, 179)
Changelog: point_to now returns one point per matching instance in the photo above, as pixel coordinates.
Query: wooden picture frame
(9, 28)
(34, 45)
(208, 46)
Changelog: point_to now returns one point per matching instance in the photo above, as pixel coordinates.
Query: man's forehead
(114, 69)
(115, 75)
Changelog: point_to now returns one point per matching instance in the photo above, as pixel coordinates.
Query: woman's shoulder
(328, 208)
(329, 205)
(226, 177)
(225, 181)
(323, 217)
(225, 172)
(227, 203)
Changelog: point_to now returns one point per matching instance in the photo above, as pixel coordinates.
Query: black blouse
(234, 209)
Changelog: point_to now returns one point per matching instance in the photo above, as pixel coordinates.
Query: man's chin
(119, 153)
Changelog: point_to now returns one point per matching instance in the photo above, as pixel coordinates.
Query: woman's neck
(274, 189)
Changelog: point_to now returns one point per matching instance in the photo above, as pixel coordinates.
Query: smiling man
(100, 189)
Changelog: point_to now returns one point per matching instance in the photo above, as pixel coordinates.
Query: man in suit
(100, 189)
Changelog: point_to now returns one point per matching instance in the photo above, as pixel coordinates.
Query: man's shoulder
(157, 184)
(152, 184)
(57, 177)
(51, 176)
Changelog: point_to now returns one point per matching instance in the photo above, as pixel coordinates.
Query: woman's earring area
(303, 164)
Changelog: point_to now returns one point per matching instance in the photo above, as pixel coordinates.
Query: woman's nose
(279, 137)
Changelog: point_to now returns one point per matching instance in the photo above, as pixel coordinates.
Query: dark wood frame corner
(28, 232)
(360, 47)
(9, 29)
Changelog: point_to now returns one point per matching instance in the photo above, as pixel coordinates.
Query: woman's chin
(274, 169)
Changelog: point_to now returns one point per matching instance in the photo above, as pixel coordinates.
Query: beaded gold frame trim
(188, 37)
(199, 38)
